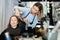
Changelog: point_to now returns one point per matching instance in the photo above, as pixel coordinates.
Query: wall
(6, 10)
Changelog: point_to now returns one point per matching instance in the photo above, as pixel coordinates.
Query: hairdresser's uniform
(30, 17)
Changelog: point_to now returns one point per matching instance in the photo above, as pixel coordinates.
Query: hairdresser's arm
(25, 20)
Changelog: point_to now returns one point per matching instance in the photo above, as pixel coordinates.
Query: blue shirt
(29, 17)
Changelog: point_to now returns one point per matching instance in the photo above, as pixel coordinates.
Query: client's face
(14, 22)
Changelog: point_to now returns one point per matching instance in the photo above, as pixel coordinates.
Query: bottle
(7, 36)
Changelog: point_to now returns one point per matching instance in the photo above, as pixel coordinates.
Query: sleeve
(22, 9)
(2, 36)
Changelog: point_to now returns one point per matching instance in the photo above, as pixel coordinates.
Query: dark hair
(9, 25)
(39, 5)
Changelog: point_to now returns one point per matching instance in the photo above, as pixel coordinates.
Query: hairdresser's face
(14, 22)
(35, 9)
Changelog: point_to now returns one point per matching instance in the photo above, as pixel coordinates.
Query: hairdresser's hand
(17, 12)
(26, 21)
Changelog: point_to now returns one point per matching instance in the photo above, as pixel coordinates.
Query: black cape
(12, 33)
